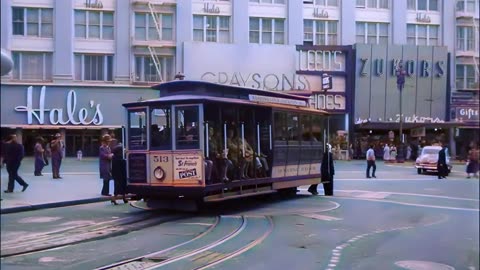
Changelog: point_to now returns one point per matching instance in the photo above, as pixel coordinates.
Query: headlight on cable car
(159, 173)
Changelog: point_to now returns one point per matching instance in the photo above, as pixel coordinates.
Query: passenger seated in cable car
(235, 154)
(221, 164)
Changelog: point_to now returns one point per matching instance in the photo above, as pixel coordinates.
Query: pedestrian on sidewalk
(327, 171)
(472, 163)
(119, 173)
(386, 153)
(105, 164)
(371, 162)
(57, 147)
(38, 152)
(442, 163)
(14, 153)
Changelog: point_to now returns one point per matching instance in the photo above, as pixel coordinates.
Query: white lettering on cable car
(56, 115)
(277, 100)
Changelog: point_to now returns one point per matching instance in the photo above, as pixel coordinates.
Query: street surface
(401, 220)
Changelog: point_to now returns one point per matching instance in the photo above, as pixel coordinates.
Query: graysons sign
(90, 115)
(273, 82)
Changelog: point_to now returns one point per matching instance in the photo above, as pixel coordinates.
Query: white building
(112, 50)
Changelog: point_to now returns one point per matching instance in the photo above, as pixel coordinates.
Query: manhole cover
(423, 265)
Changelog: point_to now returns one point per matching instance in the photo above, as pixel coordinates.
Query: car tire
(419, 171)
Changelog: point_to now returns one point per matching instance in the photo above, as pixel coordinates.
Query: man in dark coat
(119, 173)
(105, 164)
(327, 171)
(442, 163)
(14, 153)
(56, 147)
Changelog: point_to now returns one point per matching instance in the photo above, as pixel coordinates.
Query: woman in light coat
(386, 153)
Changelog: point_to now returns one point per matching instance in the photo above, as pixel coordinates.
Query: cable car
(203, 142)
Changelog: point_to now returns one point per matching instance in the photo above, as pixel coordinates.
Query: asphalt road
(400, 220)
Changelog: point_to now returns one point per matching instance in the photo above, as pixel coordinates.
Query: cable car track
(77, 234)
(228, 237)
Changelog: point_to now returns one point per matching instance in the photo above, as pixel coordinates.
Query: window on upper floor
(372, 33)
(383, 4)
(267, 30)
(91, 24)
(326, 3)
(146, 69)
(32, 66)
(211, 28)
(316, 32)
(269, 1)
(465, 38)
(422, 5)
(467, 77)
(466, 5)
(93, 67)
(421, 34)
(145, 28)
(36, 22)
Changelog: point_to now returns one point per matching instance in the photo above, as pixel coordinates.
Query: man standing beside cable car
(327, 171)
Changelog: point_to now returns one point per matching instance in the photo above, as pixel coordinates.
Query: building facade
(109, 52)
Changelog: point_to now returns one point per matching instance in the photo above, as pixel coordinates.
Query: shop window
(36, 22)
(35, 66)
(211, 28)
(91, 24)
(93, 67)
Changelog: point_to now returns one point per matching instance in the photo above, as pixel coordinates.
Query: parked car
(427, 161)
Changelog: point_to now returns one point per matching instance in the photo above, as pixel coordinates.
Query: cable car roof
(188, 99)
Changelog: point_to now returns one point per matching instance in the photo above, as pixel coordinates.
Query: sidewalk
(80, 184)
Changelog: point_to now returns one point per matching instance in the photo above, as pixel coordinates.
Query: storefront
(424, 98)
(292, 69)
(467, 133)
(80, 113)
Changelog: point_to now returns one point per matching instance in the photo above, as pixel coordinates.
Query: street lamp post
(400, 72)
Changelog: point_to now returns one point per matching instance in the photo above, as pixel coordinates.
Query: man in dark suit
(442, 163)
(56, 147)
(327, 171)
(14, 153)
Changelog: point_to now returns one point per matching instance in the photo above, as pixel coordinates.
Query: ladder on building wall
(156, 62)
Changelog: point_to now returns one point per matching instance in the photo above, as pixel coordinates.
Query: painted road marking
(411, 194)
(320, 217)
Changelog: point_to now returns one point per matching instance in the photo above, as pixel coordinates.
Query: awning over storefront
(405, 126)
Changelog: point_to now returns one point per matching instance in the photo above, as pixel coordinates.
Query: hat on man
(106, 138)
(58, 135)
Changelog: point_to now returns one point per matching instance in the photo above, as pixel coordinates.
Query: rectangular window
(466, 78)
(423, 5)
(330, 3)
(91, 24)
(465, 38)
(146, 70)
(211, 28)
(372, 33)
(93, 67)
(187, 128)
(421, 34)
(360, 3)
(160, 128)
(137, 129)
(308, 31)
(34, 66)
(36, 22)
(411, 34)
(433, 35)
(267, 31)
(146, 29)
(268, 1)
(383, 4)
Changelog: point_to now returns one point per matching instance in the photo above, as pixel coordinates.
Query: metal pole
(270, 135)
(401, 118)
(243, 141)
(225, 137)
(258, 139)
(208, 139)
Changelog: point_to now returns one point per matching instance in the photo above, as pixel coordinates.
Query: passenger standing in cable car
(327, 170)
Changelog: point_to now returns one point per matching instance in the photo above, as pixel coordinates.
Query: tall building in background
(77, 61)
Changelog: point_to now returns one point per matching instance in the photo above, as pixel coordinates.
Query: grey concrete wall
(294, 22)
(408, 92)
(347, 22)
(424, 89)
(63, 44)
(122, 42)
(6, 22)
(184, 24)
(392, 102)
(362, 84)
(377, 83)
(398, 28)
(240, 22)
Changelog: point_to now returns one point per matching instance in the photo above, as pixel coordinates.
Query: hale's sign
(57, 115)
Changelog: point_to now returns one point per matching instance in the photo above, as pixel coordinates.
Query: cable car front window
(137, 130)
(160, 129)
(187, 129)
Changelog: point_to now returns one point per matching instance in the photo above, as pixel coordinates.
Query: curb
(33, 207)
